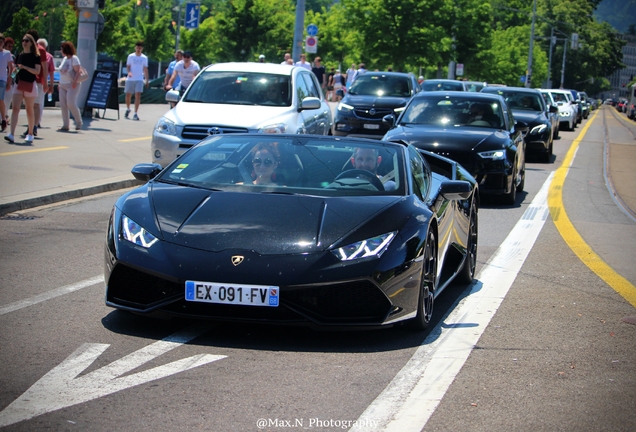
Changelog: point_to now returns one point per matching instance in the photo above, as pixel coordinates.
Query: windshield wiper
(185, 184)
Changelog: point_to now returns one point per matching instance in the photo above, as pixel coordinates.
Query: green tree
(23, 20)
(155, 33)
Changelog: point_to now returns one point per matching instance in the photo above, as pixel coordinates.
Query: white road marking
(61, 388)
(50, 294)
(408, 402)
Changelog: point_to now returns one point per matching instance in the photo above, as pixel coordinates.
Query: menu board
(102, 93)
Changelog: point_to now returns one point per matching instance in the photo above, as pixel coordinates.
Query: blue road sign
(192, 15)
(312, 29)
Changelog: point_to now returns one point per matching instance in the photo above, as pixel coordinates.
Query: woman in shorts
(28, 64)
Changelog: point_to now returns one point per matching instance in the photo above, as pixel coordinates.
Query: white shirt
(67, 65)
(5, 59)
(136, 64)
(187, 74)
(305, 65)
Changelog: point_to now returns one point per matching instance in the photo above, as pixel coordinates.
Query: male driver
(368, 159)
(137, 66)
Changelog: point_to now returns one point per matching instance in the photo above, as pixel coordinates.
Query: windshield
(454, 112)
(240, 88)
(381, 85)
(433, 85)
(290, 165)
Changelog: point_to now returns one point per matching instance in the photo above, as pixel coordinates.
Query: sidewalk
(64, 165)
(60, 166)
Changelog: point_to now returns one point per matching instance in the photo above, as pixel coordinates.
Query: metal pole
(298, 30)
(529, 72)
(549, 81)
(565, 48)
(178, 26)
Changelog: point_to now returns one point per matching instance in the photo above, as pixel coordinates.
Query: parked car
(475, 86)
(567, 111)
(227, 98)
(443, 85)
(553, 115)
(529, 106)
(489, 146)
(372, 96)
(585, 105)
(325, 243)
(577, 105)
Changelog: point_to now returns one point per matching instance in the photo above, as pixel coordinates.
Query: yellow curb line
(32, 150)
(572, 238)
(135, 139)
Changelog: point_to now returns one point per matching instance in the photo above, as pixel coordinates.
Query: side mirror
(389, 118)
(146, 171)
(172, 96)
(456, 189)
(521, 126)
(553, 109)
(309, 103)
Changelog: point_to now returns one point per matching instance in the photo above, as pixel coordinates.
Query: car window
(381, 85)
(293, 165)
(310, 85)
(442, 86)
(454, 112)
(241, 88)
(418, 173)
(302, 88)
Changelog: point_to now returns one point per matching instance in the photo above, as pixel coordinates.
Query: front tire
(467, 273)
(427, 285)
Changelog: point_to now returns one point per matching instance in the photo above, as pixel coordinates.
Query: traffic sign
(459, 70)
(192, 15)
(311, 44)
(312, 29)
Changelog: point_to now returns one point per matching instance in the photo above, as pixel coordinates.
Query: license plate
(248, 295)
(371, 126)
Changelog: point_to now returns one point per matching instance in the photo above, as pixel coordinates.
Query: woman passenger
(265, 159)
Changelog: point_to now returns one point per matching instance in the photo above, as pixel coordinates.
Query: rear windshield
(240, 88)
(381, 85)
(442, 86)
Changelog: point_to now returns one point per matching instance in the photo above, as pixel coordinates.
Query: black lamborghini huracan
(322, 231)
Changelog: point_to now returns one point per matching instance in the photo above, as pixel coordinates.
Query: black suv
(372, 96)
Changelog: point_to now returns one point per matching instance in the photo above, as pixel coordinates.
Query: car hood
(530, 117)
(435, 138)
(261, 222)
(375, 101)
(243, 116)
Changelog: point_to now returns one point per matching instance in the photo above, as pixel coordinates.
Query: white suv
(241, 98)
(567, 107)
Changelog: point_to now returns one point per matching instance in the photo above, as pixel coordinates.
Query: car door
(322, 115)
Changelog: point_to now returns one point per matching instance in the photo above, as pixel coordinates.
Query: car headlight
(135, 233)
(565, 113)
(373, 247)
(167, 127)
(538, 129)
(277, 128)
(344, 107)
(493, 154)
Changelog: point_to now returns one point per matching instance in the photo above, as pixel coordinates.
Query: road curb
(66, 195)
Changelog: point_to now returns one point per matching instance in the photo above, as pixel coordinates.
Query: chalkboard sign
(102, 94)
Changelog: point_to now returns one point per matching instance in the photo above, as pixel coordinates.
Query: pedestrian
(178, 56)
(319, 70)
(69, 87)
(6, 68)
(186, 70)
(351, 75)
(261, 58)
(303, 62)
(286, 59)
(338, 85)
(361, 70)
(41, 83)
(8, 94)
(330, 95)
(29, 65)
(49, 75)
(137, 67)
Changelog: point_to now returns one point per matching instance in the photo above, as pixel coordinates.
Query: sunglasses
(267, 162)
(26, 40)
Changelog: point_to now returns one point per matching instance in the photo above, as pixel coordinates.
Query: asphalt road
(554, 350)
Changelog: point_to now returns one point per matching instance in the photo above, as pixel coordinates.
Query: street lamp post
(529, 71)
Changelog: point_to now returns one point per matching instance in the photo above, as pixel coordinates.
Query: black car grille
(135, 289)
(356, 301)
(348, 303)
(199, 132)
(372, 113)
